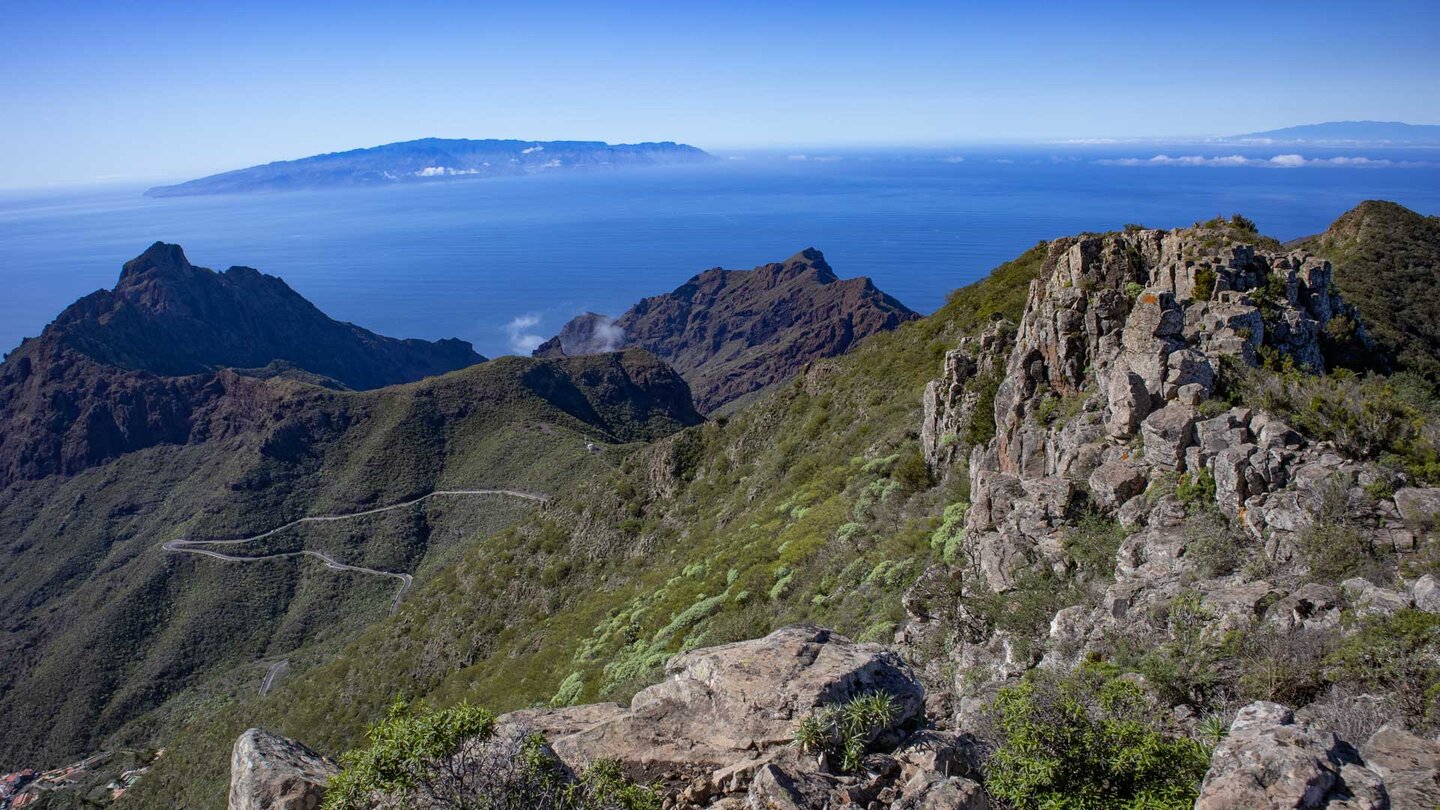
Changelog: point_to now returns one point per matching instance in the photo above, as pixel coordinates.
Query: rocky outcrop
(125, 369)
(718, 730)
(270, 772)
(1270, 761)
(1107, 406)
(721, 704)
(734, 332)
(1410, 766)
(951, 403)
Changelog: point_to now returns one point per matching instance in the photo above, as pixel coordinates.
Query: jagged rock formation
(734, 332)
(270, 772)
(1117, 330)
(125, 369)
(1105, 400)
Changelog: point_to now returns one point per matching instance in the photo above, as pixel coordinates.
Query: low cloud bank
(1289, 161)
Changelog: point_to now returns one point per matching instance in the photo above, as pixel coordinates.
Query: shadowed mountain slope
(128, 368)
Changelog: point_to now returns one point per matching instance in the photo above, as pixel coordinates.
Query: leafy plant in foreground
(1088, 739)
(458, 759)
(844, 731)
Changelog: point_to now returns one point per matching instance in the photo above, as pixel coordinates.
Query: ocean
(505, 262)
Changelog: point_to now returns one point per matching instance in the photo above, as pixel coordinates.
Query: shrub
(946, 539)
(1092, 544)
(912, 473)
(1204, 284)
(1284, 666)
(1335, 545)
(1212, 543)
(1086, 740)
(1133, 289)
(844, 732)
(1196, 490)
(456, 759)
(1184, 668)
(1398, 653)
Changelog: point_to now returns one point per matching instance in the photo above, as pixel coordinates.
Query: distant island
(434, 159)
(1347, 133)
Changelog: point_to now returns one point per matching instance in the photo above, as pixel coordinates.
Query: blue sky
(138, 91)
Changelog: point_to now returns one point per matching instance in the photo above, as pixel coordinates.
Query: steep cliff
(734, 332)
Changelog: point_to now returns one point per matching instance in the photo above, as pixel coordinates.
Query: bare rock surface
(1410, 766)
(1270, 761)
(723, 704)
(270, 772)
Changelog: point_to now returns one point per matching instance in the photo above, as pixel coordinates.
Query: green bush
(912, 473)
(844, 732)
(456, 759)
(1196, 490)
(1092, 544)
(1336, 545)
(1398, 653)
(1088, 740)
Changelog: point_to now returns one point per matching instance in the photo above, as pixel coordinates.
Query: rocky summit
(731, 333)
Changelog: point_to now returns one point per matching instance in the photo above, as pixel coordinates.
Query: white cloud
(1287, 161)
(952, 159)
(521, 340)
(608, 335)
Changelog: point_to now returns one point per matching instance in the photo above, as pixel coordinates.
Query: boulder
(1167, 432)
(720, 705)
(1270, 761)
(952, 793)
(1409, 765)
(1425, 593)
(1370, 599)
(1115, 482)
(270, 772)
(1419, 506)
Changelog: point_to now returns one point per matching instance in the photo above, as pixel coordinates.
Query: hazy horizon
(177, 90)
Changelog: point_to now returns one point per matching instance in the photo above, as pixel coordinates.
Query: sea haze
(503, 262)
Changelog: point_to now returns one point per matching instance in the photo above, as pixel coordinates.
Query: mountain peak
(734, 332)
(159, 256)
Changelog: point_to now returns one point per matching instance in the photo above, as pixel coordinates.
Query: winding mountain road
(203, 546)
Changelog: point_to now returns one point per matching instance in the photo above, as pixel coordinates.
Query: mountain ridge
(431, 159)
(1345, 133)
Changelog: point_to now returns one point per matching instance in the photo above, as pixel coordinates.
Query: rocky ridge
(733, 332)
(1107, 401)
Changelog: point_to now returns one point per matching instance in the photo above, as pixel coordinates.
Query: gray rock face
(1270, 761)
(1115, 482)
(1167, 433)
(1410, 766)
(721, 704)
(1419, 506)
(270, 772)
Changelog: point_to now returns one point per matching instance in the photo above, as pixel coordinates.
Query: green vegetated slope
(107, 638)
(812, 504)
(1387, 263)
